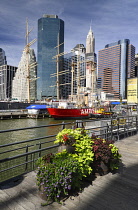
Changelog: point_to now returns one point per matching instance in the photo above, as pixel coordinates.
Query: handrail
(26, 159)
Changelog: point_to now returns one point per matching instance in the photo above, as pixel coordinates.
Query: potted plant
(67, 139)
(106, 156)
(60, 174)
(57, 176)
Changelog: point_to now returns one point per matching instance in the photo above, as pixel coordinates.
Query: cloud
(111, 21)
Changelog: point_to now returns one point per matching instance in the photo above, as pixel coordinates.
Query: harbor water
(11, 137)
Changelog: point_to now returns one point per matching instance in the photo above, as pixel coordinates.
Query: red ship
(69, 110)
(60, 113)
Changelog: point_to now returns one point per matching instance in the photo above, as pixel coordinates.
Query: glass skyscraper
(116, 63)
(50, 44)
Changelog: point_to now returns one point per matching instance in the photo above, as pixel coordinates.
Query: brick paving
(110, 192)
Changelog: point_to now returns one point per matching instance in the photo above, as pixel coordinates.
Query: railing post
(124, 129)
(127, 124)
(26, 158)
(131, 125)
(39, 148)
(63, 125)
(111, 128)
(136, 124)
(107, 130)
(79, 124)
(118, 128)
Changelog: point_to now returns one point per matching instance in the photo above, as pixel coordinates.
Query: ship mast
(27, 61)
(27, 50)
(58, 73)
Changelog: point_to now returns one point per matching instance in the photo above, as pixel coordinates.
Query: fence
(20, 157)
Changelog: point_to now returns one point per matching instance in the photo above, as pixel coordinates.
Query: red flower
(65, 137)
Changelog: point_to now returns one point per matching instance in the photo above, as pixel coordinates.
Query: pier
(108, 192)
(19, 114)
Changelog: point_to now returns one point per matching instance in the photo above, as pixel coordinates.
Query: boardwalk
(110, 192)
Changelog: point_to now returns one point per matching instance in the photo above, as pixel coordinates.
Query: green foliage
(60, 174)
(66, 136)
(115, 158)
(69, 136)
(83, 151)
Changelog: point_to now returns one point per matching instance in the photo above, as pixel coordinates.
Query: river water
(10, 137)
(23, 147)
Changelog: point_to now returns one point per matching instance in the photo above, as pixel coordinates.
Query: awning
(37, 106)
(117, 102)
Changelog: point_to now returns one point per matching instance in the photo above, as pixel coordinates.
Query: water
(10, 137)
(21, 148)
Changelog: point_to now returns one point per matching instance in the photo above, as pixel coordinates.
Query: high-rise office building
(2, 57)
(91, 64)
(50, 44)
(136, 65)
(7, 73)
(90, 42)
(116, 63)
(74, 73)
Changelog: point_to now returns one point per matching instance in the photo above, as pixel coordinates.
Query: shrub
(105, 151)
(60, 174)
(66, 137)
(83, 151)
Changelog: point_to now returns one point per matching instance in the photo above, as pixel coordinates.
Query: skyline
(110, 21)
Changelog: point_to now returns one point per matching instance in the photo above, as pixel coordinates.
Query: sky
(111, 20)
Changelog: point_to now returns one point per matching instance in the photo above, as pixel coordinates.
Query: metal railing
(20, 157)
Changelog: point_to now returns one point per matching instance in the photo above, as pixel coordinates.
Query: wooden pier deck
(110, 192)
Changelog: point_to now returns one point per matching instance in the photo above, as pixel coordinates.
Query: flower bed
(63, 173)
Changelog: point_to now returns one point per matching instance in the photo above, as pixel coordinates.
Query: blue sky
(112, 20)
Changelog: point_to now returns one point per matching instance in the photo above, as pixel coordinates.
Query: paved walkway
(110, 192)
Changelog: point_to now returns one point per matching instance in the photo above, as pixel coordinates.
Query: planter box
(69, 148)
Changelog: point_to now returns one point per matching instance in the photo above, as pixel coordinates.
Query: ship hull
(59, 113)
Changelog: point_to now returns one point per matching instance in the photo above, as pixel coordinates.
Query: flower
(59, 176)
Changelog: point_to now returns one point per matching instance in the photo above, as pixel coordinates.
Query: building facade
(90, 42)
(136, 65)
(91, 65)
(132, 91)
(116, 63)
(50, 47)
(2, 57)
(24, 81)
(7, 74)
(74, 72)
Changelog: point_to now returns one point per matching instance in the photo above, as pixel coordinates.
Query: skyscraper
(91, 64)
(7, 73)
(90, 42)
(2, 57)
(116, 63)
(50, 44)
(74, 68)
